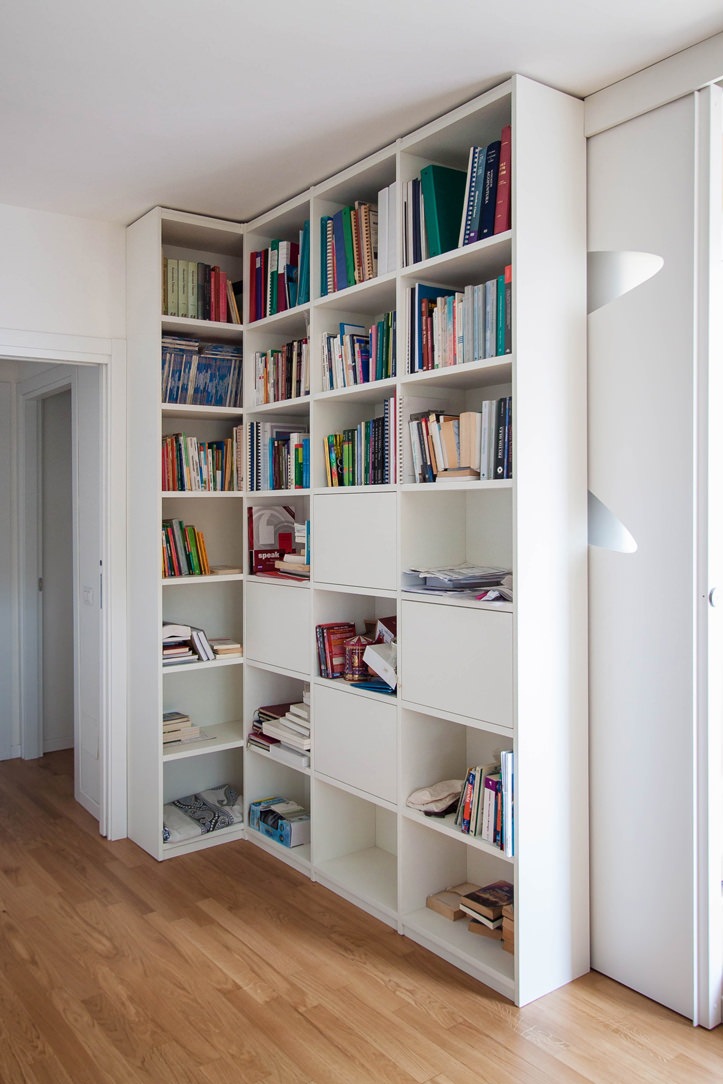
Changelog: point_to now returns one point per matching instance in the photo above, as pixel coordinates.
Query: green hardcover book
(500, 313)
(348, 246)
(443, 193)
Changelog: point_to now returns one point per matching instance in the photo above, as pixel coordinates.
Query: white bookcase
(474, 678)
(211, 692)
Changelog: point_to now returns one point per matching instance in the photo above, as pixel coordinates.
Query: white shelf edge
(180, 581)
(449, 600)
(188, 410)
(269, 756)
(212, 664)
(221, 736)
(300, 856)
(461, 720)
(365, 795)
(199, 843)
(167, 494)
(272, 669)
(451, 831)
(352, 690)
(348, 589)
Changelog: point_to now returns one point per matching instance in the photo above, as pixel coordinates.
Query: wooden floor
(226, 967)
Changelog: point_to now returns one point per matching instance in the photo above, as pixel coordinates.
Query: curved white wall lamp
(612, 274)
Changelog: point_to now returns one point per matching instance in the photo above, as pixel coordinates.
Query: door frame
(109, 355)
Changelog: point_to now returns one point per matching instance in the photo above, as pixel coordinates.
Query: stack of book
(487, 207)
(200, 291)
(188, 463)
(200, 373)
(294, 566)
(331, 636)
(366, 454)
(462, 581)
(177, 729)
(283, 731)
(349, 247)
(483, 906)
(508, 927)
(282, 372)
(472, 444)
(388, 250)
(279, 455)
(358, 355)
(184, 643)
(452, 327)
(183, 549)
(486, 804)
(224, 647)
(279, 276)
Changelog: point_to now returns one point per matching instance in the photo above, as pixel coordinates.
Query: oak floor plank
(227, 966)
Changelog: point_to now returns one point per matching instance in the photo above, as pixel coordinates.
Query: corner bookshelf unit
(211, 693)
(475, 678)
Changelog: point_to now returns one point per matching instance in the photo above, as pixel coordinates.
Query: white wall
(61, 275)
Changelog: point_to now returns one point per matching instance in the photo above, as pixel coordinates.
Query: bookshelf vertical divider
(474, 678)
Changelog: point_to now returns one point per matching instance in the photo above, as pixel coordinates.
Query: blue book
(489, 190)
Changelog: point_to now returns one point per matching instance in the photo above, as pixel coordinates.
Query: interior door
(58, 712)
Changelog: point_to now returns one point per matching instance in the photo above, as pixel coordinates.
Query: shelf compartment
(212, 696)
(354, 849)
(477, 528)
(218, 515)
(355, 741)
(474, 646)
(212, 603)
(433, 749)
(355, 539)
(432, 862)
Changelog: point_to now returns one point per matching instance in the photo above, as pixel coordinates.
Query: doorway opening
(62, 492)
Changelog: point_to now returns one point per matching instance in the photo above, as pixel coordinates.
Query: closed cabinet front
(355, 741)
(458, 660)
(355, 539)
(278, 628)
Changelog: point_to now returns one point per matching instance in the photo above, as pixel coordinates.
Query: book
(493, 932)
(489, 190)
(443, 192)
(490, 923)
(502, 220)
(446, 902)
(224, 647)
(487, 901)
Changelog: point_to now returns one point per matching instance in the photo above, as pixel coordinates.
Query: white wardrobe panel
(642, 440)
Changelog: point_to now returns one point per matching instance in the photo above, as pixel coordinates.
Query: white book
(275, 728)
(295, 757)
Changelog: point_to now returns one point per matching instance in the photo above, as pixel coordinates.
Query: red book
(214, 293)
(222, 300)
(503, 206)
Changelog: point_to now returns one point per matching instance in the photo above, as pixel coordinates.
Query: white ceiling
(227, 107)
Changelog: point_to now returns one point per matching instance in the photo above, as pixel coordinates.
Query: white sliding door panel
(88, 588)
(642, 438)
